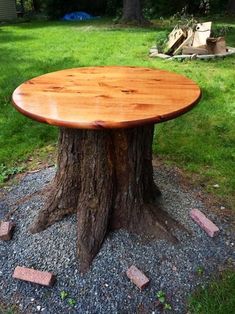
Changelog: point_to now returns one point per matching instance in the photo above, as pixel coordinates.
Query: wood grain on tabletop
(106, 97)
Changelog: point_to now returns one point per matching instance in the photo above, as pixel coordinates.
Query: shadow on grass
(20, 136)
(7, 36)
(16, 67)
(98, 24)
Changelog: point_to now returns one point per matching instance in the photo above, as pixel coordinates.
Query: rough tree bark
(132, 12)
(22, 6)
(106, 176)
(231, 7)
(36, 5)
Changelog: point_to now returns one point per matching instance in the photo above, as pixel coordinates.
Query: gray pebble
(105, 288)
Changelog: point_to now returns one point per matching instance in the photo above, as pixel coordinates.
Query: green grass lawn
(201, 141)
(216, 298)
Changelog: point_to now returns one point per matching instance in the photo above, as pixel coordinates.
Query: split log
(186, 43)
(176, 37)
(216, 45)
(195, 50)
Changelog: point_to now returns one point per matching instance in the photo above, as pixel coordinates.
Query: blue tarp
(77, 16)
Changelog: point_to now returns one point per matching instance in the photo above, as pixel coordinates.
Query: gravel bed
(105, 288)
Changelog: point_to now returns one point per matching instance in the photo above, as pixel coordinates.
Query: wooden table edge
(96, 125)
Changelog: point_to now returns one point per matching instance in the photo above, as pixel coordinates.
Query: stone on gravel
(43, 278)
(159, 55)
(153, 50)
(207, 225)
(137, 277)
(6, 230)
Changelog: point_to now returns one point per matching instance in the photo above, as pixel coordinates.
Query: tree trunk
(36, 5)
(132, 12)
(231, 6)
(22, 6)
(106, 176)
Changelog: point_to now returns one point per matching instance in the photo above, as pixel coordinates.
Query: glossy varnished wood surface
(106, 97)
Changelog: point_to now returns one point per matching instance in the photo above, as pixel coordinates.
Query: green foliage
(167, 306)
(151, 8)
(220, 31)
(113, 8)
(71, 302)
(57, 8)
(217, 297)
(8, 309)
(28, 5)
(183, 20)
(63, 295)
(161, 296)
(154, 9)
(161, 41)
(200, 271)
(6, 172)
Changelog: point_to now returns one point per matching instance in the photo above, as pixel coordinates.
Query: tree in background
(132, 12)
(57, 8)
(36, 5)
(22, 6)
(231, 6)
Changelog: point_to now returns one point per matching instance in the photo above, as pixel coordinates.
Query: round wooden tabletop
(106, 97)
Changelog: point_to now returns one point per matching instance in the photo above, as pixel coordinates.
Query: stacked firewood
(198, 41)
(193, 42)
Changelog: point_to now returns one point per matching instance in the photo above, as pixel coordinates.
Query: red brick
(35, 276)
(6, 230)
(137, 277)
(207, 225)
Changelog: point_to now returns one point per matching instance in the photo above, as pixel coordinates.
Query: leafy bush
(113, 7)
(151, 8)
(154, 9)
(6, 173)
(161, 41)
(57, 8)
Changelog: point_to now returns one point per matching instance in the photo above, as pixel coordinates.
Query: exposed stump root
(106, 176)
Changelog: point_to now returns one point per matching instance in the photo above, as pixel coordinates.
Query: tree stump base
(106, 176)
